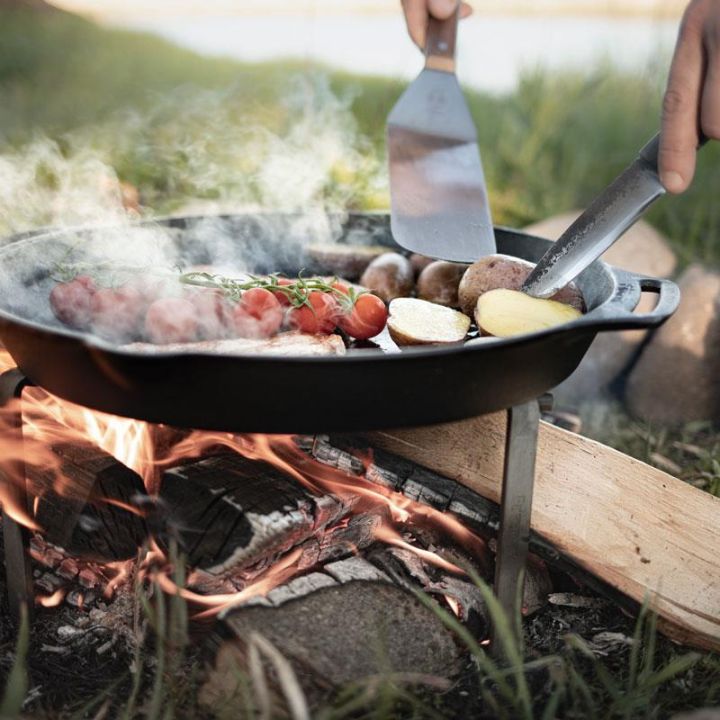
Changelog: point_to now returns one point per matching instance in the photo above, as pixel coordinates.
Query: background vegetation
(183, 127)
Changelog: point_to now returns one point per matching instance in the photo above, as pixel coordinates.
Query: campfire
(262, 521)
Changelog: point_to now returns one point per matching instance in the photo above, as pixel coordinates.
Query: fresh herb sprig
(296, 291)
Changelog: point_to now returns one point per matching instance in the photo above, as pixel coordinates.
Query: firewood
(92, 515)
(229, 512)
(636, 528)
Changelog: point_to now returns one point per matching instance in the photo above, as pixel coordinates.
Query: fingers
(710, 112)
(442, 9)
(681, 108)
(417, 13)
(416, 18)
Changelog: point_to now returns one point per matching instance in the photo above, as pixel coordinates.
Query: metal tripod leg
(516, 504)
(15, 536)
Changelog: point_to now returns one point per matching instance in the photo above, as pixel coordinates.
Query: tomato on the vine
(258, 314)
(319, 317)
(366, 319)
(281, 296)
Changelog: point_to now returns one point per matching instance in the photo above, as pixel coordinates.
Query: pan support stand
(523, 424)
(16, 537)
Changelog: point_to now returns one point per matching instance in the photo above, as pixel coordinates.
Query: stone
(702, 714)
(641, 250)
(677, 377)
(339, 634)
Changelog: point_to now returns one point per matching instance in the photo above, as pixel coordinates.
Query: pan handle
(618, 314)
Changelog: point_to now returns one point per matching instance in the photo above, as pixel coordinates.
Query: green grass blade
(17, 683)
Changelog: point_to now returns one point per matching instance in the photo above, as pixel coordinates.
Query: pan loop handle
(618, 314)
(441, 41)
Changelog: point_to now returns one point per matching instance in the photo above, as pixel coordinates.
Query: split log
(637, 528)
(93, 514)
(229, 512)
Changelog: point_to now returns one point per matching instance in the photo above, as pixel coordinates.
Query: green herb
(297, 291)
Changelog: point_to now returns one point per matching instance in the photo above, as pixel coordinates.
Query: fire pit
(183, 495)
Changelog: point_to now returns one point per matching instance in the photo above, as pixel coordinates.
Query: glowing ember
(51, 600)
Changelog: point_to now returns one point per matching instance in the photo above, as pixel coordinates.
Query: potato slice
(505, 313)
(503, 271)
(418, 322)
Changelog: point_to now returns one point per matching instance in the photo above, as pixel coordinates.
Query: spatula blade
(439, 202)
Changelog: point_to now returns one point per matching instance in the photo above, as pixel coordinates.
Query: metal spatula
(438, 197)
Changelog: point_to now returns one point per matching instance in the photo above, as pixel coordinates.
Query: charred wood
(90, 509)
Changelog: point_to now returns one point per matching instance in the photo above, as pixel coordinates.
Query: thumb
(442, 9)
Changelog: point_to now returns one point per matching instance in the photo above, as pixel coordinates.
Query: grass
(183, 127)
(651, 679)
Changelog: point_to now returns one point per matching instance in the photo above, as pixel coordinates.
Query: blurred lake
(493, 50)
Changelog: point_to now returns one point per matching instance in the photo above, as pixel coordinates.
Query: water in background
(493, 51)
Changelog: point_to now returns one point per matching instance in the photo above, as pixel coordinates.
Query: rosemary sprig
(296, 291)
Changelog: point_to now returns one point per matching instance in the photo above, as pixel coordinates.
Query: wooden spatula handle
(440, 43)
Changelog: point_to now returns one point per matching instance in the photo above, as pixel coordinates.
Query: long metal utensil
(438, 196)
(606, 219)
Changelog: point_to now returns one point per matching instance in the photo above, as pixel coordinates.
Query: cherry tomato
(320, 318)
(71, 302)
(366, 319)
(171, 320)
(341, 287)
(282, 297)
(117, 314)
(258, 314)
(214, 314)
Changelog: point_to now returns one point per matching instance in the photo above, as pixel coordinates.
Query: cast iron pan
(365, 389)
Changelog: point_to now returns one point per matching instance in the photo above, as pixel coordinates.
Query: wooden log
(93, 516)
(229, 512)
(637, 528)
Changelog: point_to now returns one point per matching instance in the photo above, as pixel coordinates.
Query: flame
(147, 449)
(53, 600)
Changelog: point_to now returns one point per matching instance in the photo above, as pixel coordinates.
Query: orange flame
(48, 421)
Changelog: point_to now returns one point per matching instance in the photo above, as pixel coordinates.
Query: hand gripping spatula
(439, 203)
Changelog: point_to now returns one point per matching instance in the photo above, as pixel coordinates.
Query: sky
(110, 8)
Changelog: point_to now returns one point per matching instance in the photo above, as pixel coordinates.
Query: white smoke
(200, 152)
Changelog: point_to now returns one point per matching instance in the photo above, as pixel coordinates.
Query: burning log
(93, 515)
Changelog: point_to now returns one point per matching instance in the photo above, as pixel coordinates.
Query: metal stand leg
(15, 536)
(516, 505)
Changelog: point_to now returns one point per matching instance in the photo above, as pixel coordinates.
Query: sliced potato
(439, 281)
(505, 313)
(418, 322)
(390, 276)
(504, 271)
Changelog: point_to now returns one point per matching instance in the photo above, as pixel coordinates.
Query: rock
(677, 378)
(641, 250)
(702, 714)
(336, 635)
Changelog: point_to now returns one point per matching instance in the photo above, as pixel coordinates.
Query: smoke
(200, 152)
(195, 153)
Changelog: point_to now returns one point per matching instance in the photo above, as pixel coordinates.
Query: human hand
(691, 106)
(417, 13)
